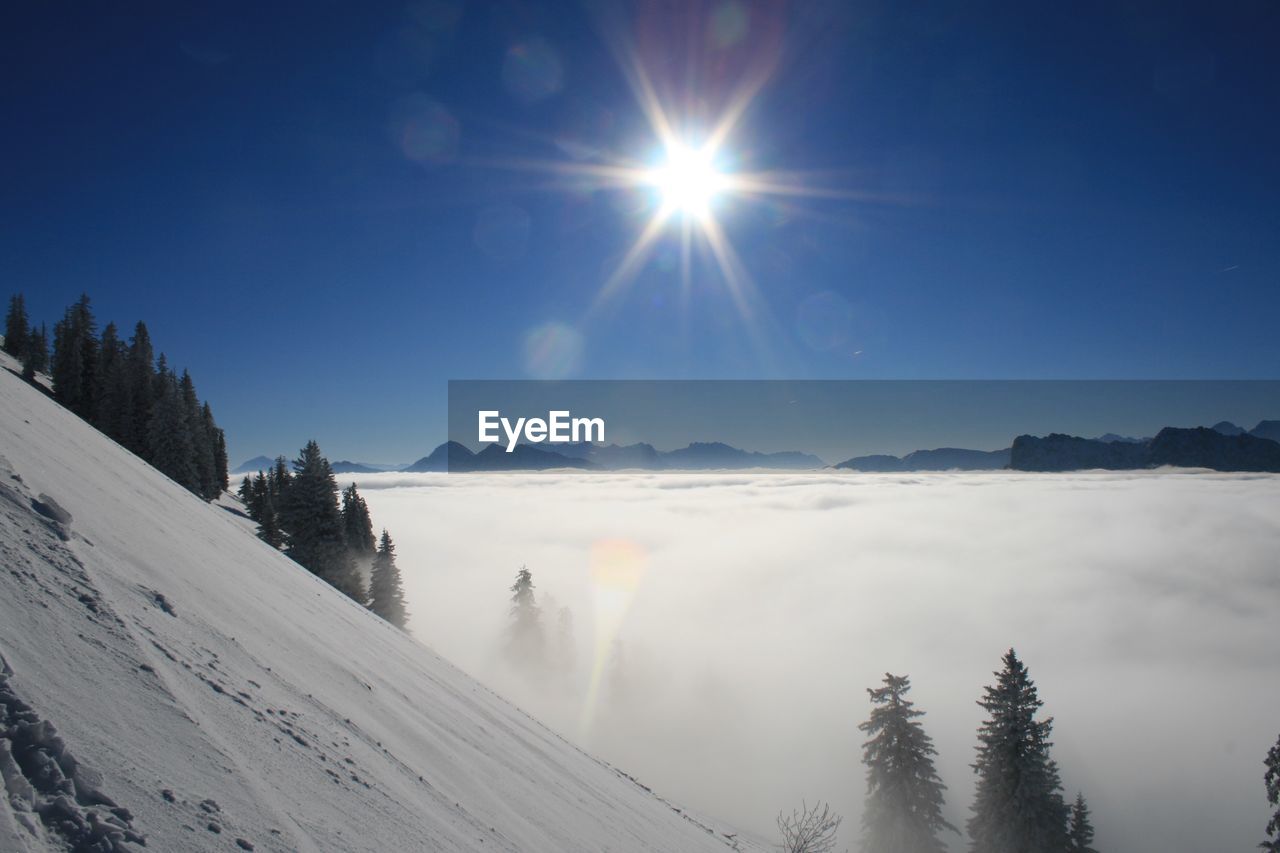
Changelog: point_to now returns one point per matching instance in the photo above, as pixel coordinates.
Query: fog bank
(761, 605)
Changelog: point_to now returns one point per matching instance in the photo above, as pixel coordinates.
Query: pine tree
(201, 439)
(222, 478)
(904, 794)
(386, 594)
(245, 493)
(269, 527)
(17, 329)
(1018, 806)
(111, 391)
(278, 479)
(1080, 828)
(75, 359)
(170, 448)
(524, 635)
(36, 358)
(310, 517)
(1272, 780)
(357, 526)
(140, 377)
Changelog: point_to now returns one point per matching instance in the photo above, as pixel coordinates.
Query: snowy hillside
(209, 694)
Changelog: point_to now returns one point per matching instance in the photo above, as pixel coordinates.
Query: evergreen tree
(278, 479)
(140, 377)
(386, 595)
(222, 477)
(1018, 806)
(170, 448)
(75, 359)
(269, 527)
(201, 439)
(245, 493)
(1080, 829)
(904, 794)
(310, 516)
(357, 526)
(524, 635)
(1272, 781)
(36, 358)
(17, 329)
(111, 387)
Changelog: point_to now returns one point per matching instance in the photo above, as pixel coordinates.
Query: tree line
(1018, 804)
(125, 391)
(299, 511)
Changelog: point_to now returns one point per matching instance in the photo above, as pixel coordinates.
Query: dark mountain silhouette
(257, 463)
(940, 459)
(1228, 428)
(524, 457)
(452, 456)
(716, 454)
(1198, 447)
(1060, 452)
(1127, 439)
(346, 467)
(613, 456)
(1266, 429)
(1207, 448)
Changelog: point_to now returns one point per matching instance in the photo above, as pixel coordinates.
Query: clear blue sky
(302, 199)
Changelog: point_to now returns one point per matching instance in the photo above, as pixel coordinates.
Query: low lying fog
(1146, 605)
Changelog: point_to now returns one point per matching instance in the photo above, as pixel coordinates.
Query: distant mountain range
(1224, 447)
(941, 459)
(263, 463)
(452, 456)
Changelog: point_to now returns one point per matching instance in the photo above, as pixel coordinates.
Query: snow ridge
(231, 700)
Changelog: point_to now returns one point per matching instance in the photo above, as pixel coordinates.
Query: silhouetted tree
(111, 390)
(17, 327)
(75, 359)
(357, 526)
(810, 829)
(140, 376)
(221, 477)
(36, 358)
(1080, 828)
(310, 517)
(1018, 806)
(170, 447)
(1272, 781)
(386, 594)
(904, 794)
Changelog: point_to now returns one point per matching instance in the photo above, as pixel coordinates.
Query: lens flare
(617, 566)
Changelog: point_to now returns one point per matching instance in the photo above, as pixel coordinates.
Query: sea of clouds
(760, 606)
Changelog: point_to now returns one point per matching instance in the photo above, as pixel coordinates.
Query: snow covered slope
(167, 675)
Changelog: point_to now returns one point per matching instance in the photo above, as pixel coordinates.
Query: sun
(688, 180)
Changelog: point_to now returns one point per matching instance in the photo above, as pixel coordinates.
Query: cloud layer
(1145, 604)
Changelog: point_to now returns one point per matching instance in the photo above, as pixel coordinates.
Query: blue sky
(308, 204)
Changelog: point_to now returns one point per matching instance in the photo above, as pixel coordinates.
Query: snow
(222, 696)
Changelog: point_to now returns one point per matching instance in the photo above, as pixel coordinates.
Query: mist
(760, 606)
